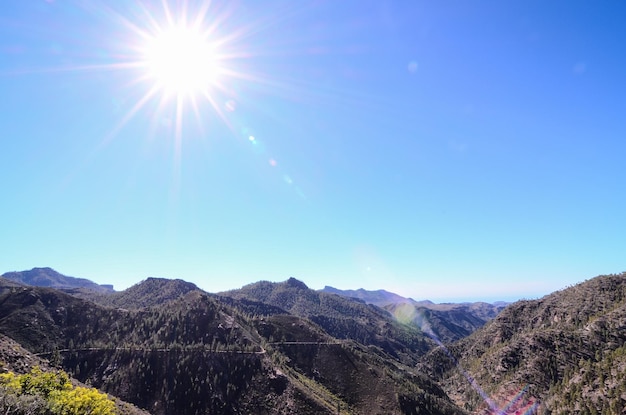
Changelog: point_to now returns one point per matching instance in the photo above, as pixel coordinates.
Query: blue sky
(444, 150)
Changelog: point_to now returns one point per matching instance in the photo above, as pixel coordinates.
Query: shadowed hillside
(194, 354)
(341, 317)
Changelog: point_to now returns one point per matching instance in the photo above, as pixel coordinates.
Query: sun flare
(182, 60)
(188, 61)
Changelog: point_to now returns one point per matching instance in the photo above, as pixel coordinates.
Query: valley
(167, 347)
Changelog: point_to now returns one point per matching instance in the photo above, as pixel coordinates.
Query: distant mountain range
(281, 348)
(383, 298)
(47, 277)
(379, 297)
(447, 322)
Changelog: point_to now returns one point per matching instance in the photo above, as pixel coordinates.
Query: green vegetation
(48, 393)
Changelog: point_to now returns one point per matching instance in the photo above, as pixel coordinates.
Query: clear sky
(449, 150)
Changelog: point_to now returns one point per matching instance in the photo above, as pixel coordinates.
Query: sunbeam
(184, 59)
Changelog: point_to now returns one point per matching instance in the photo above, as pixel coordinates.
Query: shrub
(53, 391)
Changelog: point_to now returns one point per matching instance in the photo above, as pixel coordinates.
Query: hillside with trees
(565, 352)
(343, 318)
(30, 385)
(195, 354)
(281, 348)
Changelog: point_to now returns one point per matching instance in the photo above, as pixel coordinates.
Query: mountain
(281, 348)
(564, 353)
(147, 293)
(191, 352)
(47, 277)
(380, 298)
(341, 317)
(448, 322)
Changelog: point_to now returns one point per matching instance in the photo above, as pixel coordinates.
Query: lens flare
(407, 313)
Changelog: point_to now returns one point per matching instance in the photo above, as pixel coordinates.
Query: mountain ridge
(279, 348)
(449, 321)
(48, 277)
(341, 317)
(376, 297)
(232, 361)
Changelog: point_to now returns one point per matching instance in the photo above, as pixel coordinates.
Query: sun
(182, 60)
(188, 61)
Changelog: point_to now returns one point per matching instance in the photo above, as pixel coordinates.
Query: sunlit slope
(566, 352)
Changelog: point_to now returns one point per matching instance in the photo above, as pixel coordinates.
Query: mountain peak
(151, 292)
(294, 283)
(156, 285)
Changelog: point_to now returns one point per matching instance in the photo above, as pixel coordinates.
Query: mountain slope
(566, 352)
(341, 317)
(14, 358)
(195, 354)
